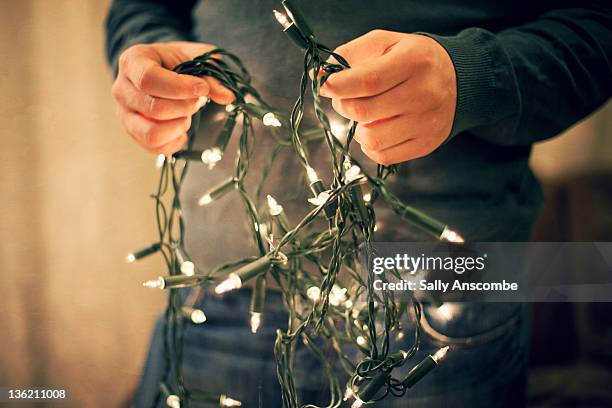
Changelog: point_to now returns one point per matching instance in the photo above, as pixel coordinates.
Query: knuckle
(152, 135)
(370, 81)
(152, 106)
(356, 110)
(367, 139)
(145, 79)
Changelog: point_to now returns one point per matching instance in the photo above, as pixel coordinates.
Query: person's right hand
(154, 103)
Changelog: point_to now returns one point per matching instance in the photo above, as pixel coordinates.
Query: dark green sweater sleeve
(130, 22)
(529, 83)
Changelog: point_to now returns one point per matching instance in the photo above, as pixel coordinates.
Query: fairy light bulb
(320, 199)
(225, 401)
(159, 161)
(130, 258)
(274, 208)
(158, 283)
(255, 322)
(173, 401)
(451, 236)
(353, 173)
(232, 282)
(211, 157)
(348, 393)
(440, 354)
(367, 197)
(447, 311)
(198, 316)
(313, 293)
(205, 200)
(358, 403)
(230, 107)
(337, 295)
(312, 175)
(270, 119)
(202, 100)
(282, 19)
(361, 341)
(188, 268)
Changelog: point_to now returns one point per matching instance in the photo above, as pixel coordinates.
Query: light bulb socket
(144, 252)
(183, 281)
(296, 15)
(226, 133)
(372, 387)
(419, 371)
(258, 296)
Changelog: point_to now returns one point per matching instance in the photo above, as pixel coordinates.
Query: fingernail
(202, 89)
(202, 100)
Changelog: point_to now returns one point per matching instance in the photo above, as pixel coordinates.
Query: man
(454, 91)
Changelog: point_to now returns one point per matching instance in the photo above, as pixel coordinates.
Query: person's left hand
(402, 90)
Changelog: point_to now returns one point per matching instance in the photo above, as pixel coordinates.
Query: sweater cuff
(485, 83)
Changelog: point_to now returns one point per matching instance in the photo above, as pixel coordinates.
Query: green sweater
(526, 71)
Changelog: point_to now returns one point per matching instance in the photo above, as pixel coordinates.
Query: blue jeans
(486, 366)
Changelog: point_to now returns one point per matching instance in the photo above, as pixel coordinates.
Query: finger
(126, 94)
(403, 98)
(150, 77)
(373, 43)
(170, 148)
(371, 77)
(387, 133)
(150, 132)
(218, 92)
(405, 151)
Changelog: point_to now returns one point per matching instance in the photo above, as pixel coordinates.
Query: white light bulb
(439, 355)
(226, 401)
(202, 100)
(130, 258)
(273, 207)
(353, 174)
(270, 119)
(232, 282)
(337, 295)
(205, 199)
(357, 404)
(159, 161)
(173, 401)
(451, 236)
(361, 341)
(447, 311)
(255, 322)
(348, 393)
(338, 129)
(230, 107)
(320, 199)
(313, 293)
(158, 283)
(282, 19)
(198, 316)
(211, 157)
(367, 197)
(313, 177)
(399, 336)
(188, 268)
(348, 304)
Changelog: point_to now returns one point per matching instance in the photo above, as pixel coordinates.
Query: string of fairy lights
(322, 314)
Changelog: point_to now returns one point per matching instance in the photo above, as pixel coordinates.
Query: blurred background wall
(74, 192)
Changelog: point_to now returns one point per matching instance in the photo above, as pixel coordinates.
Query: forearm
(131, 22)
(532, 82)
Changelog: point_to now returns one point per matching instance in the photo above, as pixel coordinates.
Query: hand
(154, 103)
(402, 90)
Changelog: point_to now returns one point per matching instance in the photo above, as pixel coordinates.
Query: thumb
(370, 45)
